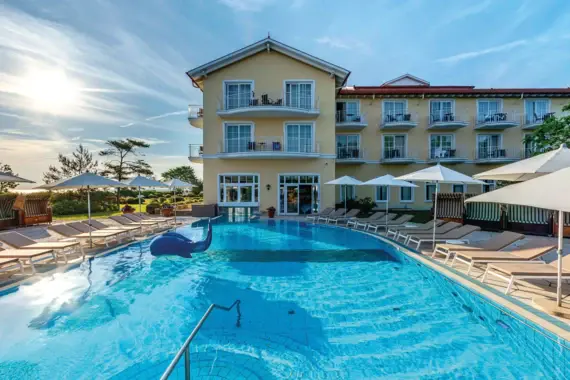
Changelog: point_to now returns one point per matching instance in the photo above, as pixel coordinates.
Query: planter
(167, 212)
(129, 212)
(271, 213)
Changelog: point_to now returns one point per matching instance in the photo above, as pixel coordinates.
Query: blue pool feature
(317, 302)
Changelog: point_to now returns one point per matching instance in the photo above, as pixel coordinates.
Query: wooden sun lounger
(144, 216)
(338, 213)
(532, 250)
(69, 231)
(349, 215)
(7, 264)
(19, 241)
(102, 226)
(496, 243)
(326, 212)
(532, 270)
(137, 219)
(455, 234)
(364, 221)
(444, 228)
(19, 255)
(397, 232)
(402, 219)
(127, 222)
(83, 227)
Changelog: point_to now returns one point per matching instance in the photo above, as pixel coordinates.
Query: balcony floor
(269, 111)
(197, 122)
(267, 155)
(399, 125)
(398, 161)
(495, 160)
(350, 126)
(448, 125)
(496, 126)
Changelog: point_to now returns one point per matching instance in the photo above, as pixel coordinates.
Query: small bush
(365, 205)
(131, 201)
(161, 200)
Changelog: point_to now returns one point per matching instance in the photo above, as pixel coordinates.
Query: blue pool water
(316, 302)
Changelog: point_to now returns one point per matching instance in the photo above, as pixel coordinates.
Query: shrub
(161, 200)
(132, 201)
(69, 207)
(152, 206)
(365, 205)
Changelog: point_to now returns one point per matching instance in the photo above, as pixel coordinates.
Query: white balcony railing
(196, 151)
(349, 153)
(394, 118)
(497, 118)
(537, 118)
(494, 153)
(446, 120)
(265, 144)
(348, 117)
(254, 99)
(446, 154)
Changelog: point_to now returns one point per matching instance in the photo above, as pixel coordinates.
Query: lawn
(96, 214)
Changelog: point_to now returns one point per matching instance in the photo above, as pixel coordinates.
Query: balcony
(196, 152)
(533, 120)
(447, 155)
(346, 155)
(448, 121)
(196, 116)
(350, 121)
(279, 104)
(398, 120)
(495, 155)
(396, 155)
(268, 147)
(497, 121)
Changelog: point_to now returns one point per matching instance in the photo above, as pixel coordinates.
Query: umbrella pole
(435, 213)
(140, 208)
(345, 199)
(386, 216)
(89, 215)
(560, 247)
(175, 209)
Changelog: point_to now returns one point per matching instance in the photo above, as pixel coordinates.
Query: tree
(121, 166)
(551, 133)
(5, 186)
(81, 161)
(186, 174)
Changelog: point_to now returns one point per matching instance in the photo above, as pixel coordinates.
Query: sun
(51, 90)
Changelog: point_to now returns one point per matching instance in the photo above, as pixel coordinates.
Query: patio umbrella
(174, 184)
(531, 167)
(439, 174)
(344, 181)
(389, 181)
(85, 180)
(9, 177)
(140, 181)
(550, 191)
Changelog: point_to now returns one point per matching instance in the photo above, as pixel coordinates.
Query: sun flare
(51, 90)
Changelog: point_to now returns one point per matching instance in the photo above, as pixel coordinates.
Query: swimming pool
(316, 302)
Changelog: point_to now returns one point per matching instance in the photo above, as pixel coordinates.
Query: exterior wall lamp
(268, 187)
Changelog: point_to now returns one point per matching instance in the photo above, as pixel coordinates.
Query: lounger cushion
(24, 253)
(527, 269)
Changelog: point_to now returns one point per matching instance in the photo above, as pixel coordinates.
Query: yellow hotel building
(278, 123)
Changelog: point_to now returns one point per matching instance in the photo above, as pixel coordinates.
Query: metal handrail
(185, 349)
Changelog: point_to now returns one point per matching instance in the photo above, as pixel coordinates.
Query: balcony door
(394, 110)
(238, 138)
(347, 146)
(441, 110)
(488, 146)
(299, 95)
(238, 94)
(441, 146)
(299, 138)
(487, 109)
(394, 146)
(347, 112)
(536, 109)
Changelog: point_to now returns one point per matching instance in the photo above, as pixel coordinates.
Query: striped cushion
(490, 212)
(526, 214)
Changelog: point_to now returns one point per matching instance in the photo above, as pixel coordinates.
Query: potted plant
(271, 212)
(167, 210)
(128, 209)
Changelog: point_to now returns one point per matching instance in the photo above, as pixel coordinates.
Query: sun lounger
(396, 231)
(149, 225)
(326, 212)
(496, 243)
(454, 234)
(82, 233)
(144, 216)
(531, 250)
(364, 221)
(349, 215)
(61, 248)
(402, 219)
(335, 214)
(7, 264)
(444, 228)
(532, 270)
(102, 226)
(137, 219)
(32, 255)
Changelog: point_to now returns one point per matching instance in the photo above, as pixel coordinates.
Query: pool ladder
(185, 349)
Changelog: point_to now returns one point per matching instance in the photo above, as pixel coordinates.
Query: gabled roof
(406, 80)
(199, 73)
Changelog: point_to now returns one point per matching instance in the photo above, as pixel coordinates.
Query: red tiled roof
(440, 90)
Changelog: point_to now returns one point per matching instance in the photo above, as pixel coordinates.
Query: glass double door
(298, 194)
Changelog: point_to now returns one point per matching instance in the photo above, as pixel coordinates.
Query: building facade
(279, 123)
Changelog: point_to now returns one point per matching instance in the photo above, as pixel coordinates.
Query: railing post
(187, 363)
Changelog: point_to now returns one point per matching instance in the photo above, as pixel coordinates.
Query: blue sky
(85, 71)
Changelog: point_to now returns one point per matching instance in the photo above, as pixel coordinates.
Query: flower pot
(167, 212)
(128, 211)
(271, 213)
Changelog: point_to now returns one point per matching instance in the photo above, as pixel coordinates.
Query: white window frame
(300, 122)
(426, 185)
(358, 135)
(463, 187)
(384, 101)
(236, 81)
(500, 101)
(488, 134)
(341, 191)
(240, 204)
(300, 81)
(527, 101)
(278, 199)
(376, 199)
(395, 134)
(226, 123)
(440, 134)
(441, 100)
(357, 101)
(488, 182)
(412, 193)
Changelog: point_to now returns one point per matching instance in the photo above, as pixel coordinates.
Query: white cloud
(474, 54)
(345, 44)
(75, 129)
(167, 115)
(463, 12)
(246, 5)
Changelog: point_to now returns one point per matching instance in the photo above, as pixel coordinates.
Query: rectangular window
(536, 110)
(406, 194)
(350, 192)
(490, 146)
(529, 147)
(487, 110)
(299, 138)
(489, 185)
(441, 110)
(442, 146)
(394, 110)
(429, 191)
(238, 138)
(382, 194)
(458, 188)
(238, 94)
(347, 146)
(347, 112)
(395, 146)
(238, 189)
(299, 95)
